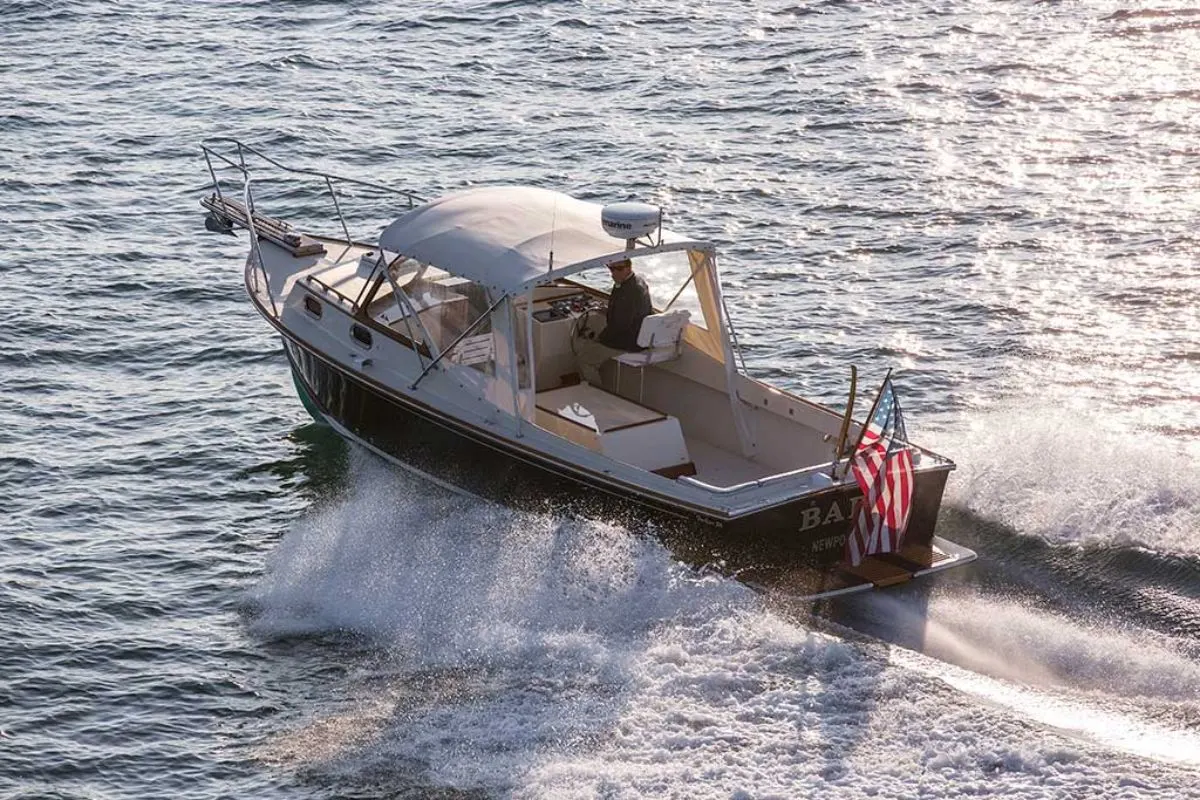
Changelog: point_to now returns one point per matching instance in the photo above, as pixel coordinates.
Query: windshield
(447, 308)
(665, 274)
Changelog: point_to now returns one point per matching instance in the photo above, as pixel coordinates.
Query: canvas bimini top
(503, 236)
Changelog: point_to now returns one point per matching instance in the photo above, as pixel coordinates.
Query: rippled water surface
(207, 595)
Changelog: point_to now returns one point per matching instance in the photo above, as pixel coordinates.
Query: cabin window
(360, 335)
(312, 305)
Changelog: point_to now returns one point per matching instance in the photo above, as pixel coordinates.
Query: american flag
(883, 469)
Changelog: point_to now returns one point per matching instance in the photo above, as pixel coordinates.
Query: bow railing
(226, 212)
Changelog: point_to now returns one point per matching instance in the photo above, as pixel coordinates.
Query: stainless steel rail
(331, 291)
(330, 180)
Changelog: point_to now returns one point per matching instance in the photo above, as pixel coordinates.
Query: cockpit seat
(662, 337)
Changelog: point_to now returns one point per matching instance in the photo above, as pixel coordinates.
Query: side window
(672, 284)
(313, 306)
(446, 306)
(361, 335)
(450, 307)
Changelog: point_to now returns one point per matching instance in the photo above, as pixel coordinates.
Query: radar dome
(630, 220)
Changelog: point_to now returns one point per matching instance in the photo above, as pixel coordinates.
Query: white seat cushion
(659, 334)
(647, 357)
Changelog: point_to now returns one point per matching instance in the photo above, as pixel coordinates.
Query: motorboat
(446, 344)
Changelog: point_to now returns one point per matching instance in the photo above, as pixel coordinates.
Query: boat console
(570, 307)
(558, 313)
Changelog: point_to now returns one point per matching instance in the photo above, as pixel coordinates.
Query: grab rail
(329, 178)
(819, 470)
(210, 152)
(327, 288)
(758, 483)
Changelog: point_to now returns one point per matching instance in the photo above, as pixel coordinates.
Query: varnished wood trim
(676, 471)
(628, 425)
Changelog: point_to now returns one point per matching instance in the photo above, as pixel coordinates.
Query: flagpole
(846, 419)
(874, 407)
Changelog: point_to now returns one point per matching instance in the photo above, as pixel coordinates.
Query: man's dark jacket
(628, 305)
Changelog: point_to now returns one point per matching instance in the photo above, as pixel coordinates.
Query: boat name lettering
(829, 543)
(814, 516)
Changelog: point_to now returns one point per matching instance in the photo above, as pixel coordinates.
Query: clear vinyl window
(446, 307)
(667, 275)
(672, 286)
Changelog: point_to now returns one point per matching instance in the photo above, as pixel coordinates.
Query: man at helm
(628, 305)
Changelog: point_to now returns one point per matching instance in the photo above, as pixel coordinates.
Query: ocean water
(204, 594)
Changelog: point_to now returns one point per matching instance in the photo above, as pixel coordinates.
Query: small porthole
(361, 335)
(312, 305)
(792, 411)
